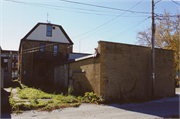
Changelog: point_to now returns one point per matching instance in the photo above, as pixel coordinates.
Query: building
(114, 71)
(2, 71)
(119, 71)
(9, 60)
(44, 45)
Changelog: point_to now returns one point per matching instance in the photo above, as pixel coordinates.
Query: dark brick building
(43, 46)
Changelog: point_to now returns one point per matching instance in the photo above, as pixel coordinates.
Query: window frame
(42, 46)
(5, 60)
(55, 53)
(49, 31)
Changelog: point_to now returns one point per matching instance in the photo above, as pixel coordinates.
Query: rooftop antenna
(47, 18)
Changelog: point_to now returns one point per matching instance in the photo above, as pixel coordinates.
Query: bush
(92, 97)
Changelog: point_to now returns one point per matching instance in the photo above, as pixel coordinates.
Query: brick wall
(32, 67)
(61, 75)
(122, 65)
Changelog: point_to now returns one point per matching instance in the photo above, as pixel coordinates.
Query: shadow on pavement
(166, 107)
(5, 105)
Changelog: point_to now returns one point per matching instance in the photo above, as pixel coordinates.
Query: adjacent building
(9, 61)
(44, 45)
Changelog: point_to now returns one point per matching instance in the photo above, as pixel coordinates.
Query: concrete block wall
(164, 73)
(122, 65)
(88, 80)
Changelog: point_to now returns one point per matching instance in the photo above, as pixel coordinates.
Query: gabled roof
(61, 28)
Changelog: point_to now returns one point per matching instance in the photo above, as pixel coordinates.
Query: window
(42, 47)
(5, 60)
(13, 56)
(16, 64)
(16, 56)
(55, 50)
(13, 64)
(42, 50)
(3, 55)
(49, 30)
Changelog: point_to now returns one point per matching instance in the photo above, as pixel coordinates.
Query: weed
(57, 100)
(70, 89)
(76, 104)
(93, 97)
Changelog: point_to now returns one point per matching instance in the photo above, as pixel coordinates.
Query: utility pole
(152, 53)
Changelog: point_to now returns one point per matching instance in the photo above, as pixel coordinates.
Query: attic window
(49, 30)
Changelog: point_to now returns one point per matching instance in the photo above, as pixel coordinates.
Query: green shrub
(18, 90)
(76, 104)
(92, 97)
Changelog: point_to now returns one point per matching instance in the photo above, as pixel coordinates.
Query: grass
(55, 101)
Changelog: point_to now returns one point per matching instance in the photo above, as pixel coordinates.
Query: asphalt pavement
(166, 107)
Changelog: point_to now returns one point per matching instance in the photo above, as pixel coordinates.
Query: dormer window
(49, 30)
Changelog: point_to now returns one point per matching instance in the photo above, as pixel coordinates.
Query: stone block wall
(89, 79)
(164, 73)
(126, 70)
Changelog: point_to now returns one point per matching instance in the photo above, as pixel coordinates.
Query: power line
(59, 6)
(105, 7)
(131, 27)
(48, 6)
(106, 31)
(107, 21)
(175, 2)
(124, 31)
(157, 2)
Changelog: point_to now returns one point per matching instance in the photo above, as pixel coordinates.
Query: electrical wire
(106, 31)
(175, 2)
(123, 31)
(107, 21)
(55, 8)
(60, 6)
(131, 27)
(104, 7)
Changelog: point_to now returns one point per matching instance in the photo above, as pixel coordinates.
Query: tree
(167, 34)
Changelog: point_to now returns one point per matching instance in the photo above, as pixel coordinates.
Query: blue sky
(17, 19)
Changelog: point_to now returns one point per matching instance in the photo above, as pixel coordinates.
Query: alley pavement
(156, 109)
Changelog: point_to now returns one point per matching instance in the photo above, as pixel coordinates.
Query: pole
(152, 53)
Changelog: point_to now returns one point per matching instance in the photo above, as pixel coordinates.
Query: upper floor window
(16, 56)
(49, 30)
